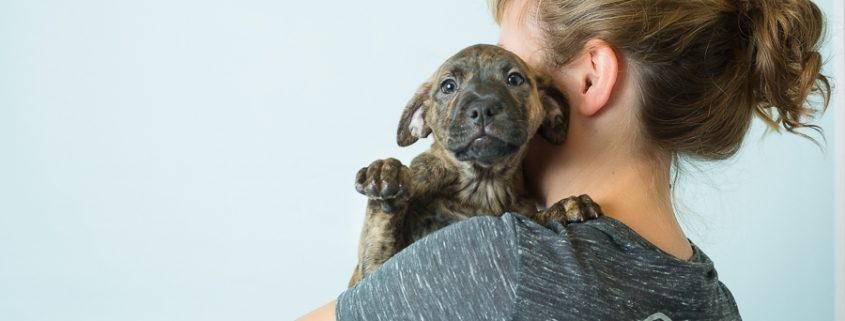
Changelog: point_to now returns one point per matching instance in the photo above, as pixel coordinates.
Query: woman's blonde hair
(705, 66)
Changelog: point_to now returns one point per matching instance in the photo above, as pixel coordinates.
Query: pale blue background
(193, 160)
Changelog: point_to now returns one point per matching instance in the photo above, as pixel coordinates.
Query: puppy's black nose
(482, 113)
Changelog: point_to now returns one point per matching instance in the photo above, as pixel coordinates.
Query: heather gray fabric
(511, 268)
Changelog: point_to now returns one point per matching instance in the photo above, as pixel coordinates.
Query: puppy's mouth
(485, 150)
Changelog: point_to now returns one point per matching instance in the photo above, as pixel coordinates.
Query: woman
(648, 81)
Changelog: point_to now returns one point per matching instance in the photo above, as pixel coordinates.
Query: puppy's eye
(448, 86)
(515, 79)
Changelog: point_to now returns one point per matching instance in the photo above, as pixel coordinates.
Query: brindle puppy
(482, 105)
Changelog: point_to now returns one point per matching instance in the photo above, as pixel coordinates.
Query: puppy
(482, 107)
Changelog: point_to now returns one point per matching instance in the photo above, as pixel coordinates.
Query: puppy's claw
(360, 179)
(590, 209)
(389, 190)
(384, 180)
(371, 189)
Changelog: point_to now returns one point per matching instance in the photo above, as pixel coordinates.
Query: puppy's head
(483, 105)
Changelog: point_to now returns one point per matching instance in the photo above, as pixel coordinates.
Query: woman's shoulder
(604, 234)
(603, 263)
(603, 244)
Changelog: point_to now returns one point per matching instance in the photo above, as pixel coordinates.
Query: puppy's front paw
(572, 209)
(386, 181)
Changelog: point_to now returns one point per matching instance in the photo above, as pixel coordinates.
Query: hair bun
(785, 38)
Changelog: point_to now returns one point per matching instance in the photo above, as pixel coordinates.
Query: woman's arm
(323, 313)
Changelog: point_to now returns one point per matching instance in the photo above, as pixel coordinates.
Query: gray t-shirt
(511, 268)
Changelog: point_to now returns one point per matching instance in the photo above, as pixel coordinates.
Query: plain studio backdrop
(194, 160)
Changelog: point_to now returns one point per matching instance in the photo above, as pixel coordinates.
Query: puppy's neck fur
(496, 189)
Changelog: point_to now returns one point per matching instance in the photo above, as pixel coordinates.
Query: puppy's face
(483, 105)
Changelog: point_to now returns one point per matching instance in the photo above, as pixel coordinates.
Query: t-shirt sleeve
(465, 271)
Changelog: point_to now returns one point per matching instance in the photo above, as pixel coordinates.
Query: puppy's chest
(461, 202)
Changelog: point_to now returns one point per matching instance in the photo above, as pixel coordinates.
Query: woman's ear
(596, 72)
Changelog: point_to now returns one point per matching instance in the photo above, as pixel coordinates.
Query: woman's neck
(633, 189)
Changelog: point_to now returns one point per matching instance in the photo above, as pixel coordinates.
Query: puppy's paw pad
(384, 179)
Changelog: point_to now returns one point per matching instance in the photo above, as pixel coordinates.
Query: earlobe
(600, 72)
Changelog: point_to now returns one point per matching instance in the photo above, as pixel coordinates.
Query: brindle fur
(406, 204)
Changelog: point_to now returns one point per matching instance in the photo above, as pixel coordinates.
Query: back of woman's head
(704, 67)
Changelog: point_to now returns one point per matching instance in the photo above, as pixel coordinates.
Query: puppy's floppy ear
(412, 125)
(556, 123)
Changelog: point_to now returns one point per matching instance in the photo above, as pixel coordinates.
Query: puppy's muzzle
(485, 132)
(482, 112)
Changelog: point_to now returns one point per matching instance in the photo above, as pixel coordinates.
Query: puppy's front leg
(570, 210)
(387, 185)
